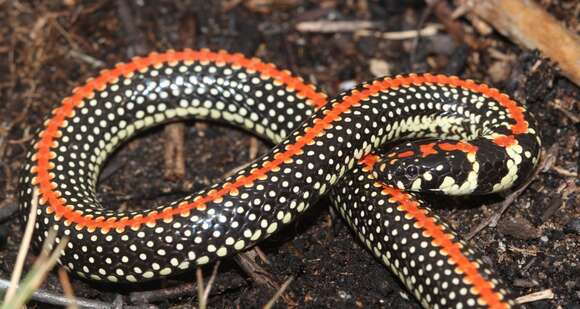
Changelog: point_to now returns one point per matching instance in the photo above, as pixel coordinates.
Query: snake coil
(472, 140)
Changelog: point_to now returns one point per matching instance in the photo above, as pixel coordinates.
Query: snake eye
(412, 171)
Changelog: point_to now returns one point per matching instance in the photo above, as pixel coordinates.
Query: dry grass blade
(202, 303)
(40, 269)
(210, 282)
(23, 250)
(202, 291)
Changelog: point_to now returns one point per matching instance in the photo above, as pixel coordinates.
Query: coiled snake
(472, 140)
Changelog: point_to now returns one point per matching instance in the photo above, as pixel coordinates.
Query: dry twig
(278, 293)
(429, 30)
(174, 157)
(202, 290)
(545, 294)
(67, 288)
(47, 297)
(333, 26)
(455, 29)
(260, 275)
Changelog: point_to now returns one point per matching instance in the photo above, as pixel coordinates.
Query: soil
(49, 47)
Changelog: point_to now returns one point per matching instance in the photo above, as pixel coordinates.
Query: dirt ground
(49, 47)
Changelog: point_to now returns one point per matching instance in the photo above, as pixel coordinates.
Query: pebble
(347, 84)
(379, 67)
(344, 295)
(573, 226)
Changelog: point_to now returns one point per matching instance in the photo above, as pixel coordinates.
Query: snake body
(472, 140)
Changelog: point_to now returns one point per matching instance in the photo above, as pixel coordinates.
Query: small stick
(253, 150)
(455, 29)
(261, 255)
(174, 133)
(186, 289)
(429, 30)
(67, 288)
(278, 293)
(545, 294)
(46, 297)
(96, 63)
(211, 281)
(558, 105)
(564, 172)
(144, 297)
(260, 275)
(328, 26)
(174, 157)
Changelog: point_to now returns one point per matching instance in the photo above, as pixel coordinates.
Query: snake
(374, 149)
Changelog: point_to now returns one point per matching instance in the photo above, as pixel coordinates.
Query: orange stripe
(446, 244)
(66, 110)
(369, 161)
(427, 150)
(405, 154)
(461, 146)
(505, 141)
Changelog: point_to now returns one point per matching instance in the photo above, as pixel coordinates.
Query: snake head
(408, 173)
(409, 168)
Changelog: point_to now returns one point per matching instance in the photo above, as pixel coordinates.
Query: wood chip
(530, 26)
(519, 228)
